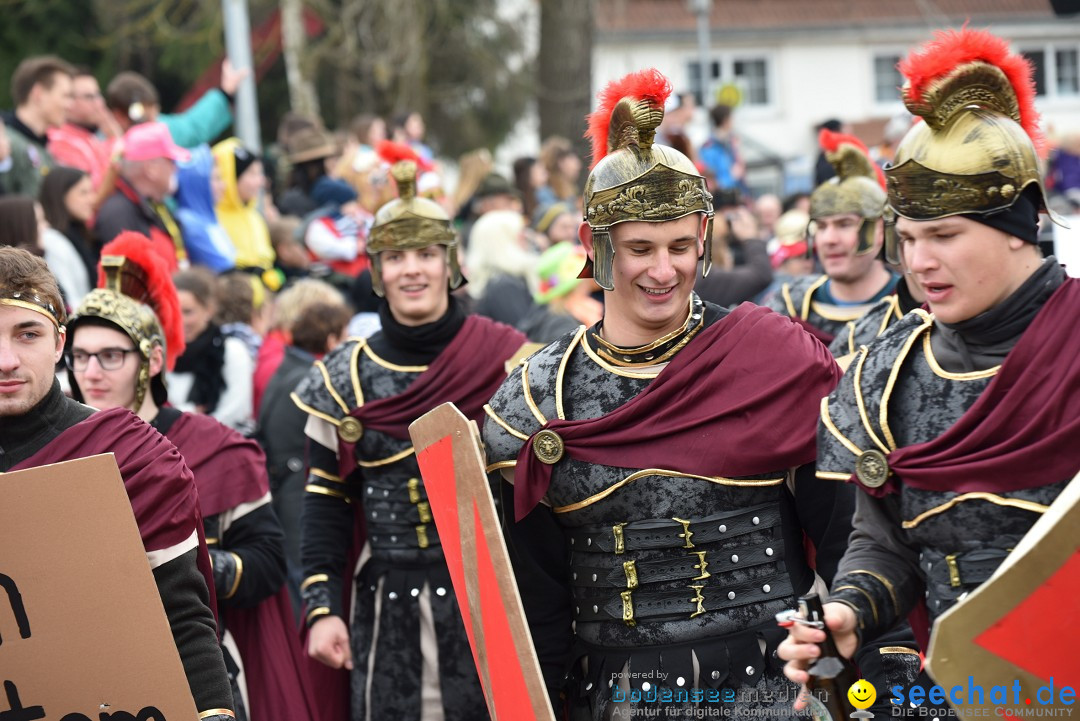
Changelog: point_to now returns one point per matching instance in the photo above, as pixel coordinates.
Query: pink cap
(147, 141)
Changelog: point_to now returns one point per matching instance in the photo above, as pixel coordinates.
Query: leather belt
(611, 571)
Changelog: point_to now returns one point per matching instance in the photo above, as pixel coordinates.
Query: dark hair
(317, 323)
(720, 114)
(39, 70)
(128, 88)
(831, 124)
(18, 221)
(236, 298)
(54, 187)
(200, 282)
(400, 119)
(303, 175)
(522, 178)
(360, 127)
(25, 273)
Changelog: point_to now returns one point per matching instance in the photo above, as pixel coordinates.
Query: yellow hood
(243, 222)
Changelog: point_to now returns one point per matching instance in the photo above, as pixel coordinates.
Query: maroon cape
(1023, 430)
(467, 373)
(741, 399)
(229, 470)
(157, 481)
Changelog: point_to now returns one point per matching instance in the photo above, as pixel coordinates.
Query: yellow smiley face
(862, 694)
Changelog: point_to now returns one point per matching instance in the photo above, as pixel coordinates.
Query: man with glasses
(41, 426)
(846, 232)
(120, 340)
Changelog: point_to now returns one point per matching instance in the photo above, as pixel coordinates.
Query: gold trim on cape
(391, 366)
(499, 465)
(312, 412)
(320, 473)
(932, 361)
(312, 580)
(503, 424)
(354, 372)
(330, 387)
(862, 404)
(668, 474)
(807, 298)
(976, 496)
(883, 408)
(310, 488)
(827, 420)
(528, 394)
(387, 461)
(832, 476)
(559, 410)
(884, 582)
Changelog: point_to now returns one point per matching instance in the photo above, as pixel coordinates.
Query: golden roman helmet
(633, 179)
(977, 150)
(139, 299)
(409, 222)
(858, 188)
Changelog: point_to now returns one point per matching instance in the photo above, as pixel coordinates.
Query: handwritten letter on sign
(83, 635)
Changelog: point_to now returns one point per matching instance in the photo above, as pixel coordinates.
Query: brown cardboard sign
(83, 634)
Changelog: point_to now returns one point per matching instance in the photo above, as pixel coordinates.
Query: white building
(797, 63)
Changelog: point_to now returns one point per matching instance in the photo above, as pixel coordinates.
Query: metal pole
(238, 48)
(703, 7)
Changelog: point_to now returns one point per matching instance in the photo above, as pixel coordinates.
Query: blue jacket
(205, 241)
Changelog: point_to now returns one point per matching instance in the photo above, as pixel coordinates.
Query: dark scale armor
(796, 300)
(662, 567)
(961, 540)
(406, 555)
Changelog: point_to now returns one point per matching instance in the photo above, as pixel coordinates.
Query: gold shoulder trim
(562, 372)
(805, 312)
(236, 580)
(844, 440)
(897, 649)
(785, 293)
(976, 496)
(354, 371)
(527, 392)
(894, 309)
(884, 582)
(615, 369)
(869, 598)
(720, 480)
(503, 424)
(330, 387)
(932, 361)
(857, 379)
(883, 411)
(219, 711)
(851, 336)
(387, 461)
(831, 476)
(500, 464)
(391, 366)
(311, 411)
(320, 473)
(312, 580)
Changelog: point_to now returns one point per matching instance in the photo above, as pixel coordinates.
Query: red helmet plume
(151, 285)
(951, 48)
(830, 142)
(392, 152)
(649, 84)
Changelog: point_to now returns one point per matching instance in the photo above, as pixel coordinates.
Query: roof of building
(617, 17)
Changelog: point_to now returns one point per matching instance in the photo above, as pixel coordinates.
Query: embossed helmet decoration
(409, 222)
(633, 179)
(136, 296)
(978, 150)
(858, 188)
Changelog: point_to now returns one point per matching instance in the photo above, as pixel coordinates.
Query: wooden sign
(83, 634)
(449, 453)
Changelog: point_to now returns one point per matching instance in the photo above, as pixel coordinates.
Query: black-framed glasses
(109, 359)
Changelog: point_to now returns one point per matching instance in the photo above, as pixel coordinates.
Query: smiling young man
(846, 233)
(657, 459)
(120, 340)
(39, 426)
(958, 425)
(404, 643)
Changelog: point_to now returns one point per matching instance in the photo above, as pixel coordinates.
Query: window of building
(751, 74)
(887, 79)
(1055, 69)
